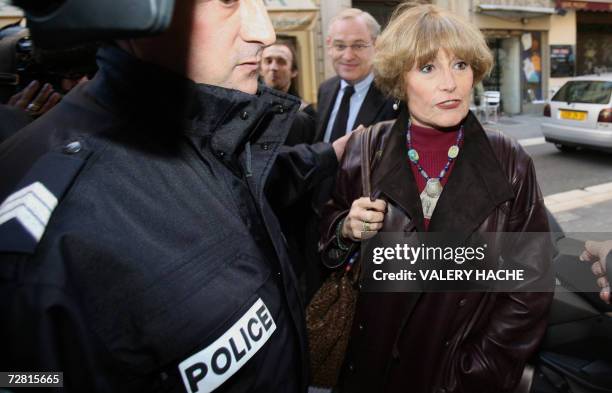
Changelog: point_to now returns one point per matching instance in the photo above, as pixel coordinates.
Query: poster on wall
(562, 61)
(531, 60)
(594, 53)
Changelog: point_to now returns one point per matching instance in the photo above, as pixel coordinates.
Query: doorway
(505, 76)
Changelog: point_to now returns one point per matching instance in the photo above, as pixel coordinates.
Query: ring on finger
(33, 107)
(366, 226)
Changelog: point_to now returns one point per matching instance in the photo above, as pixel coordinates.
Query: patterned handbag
(329, 316)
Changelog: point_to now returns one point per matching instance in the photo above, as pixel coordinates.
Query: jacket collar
(393, 177)
(476, 186)
(325, 106)
(372, 105)
(159, 98)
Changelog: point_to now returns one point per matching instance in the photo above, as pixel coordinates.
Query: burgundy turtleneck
(432, 146)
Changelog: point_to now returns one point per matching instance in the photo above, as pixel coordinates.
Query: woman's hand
(364, 220)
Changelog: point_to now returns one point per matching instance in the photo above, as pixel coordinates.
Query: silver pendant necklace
(433, 188)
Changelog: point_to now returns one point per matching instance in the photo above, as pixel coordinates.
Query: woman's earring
(396, 105)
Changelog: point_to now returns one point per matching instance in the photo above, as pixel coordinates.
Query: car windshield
(586, 92)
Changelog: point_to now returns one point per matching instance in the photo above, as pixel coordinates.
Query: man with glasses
(351, 99)
(346, 101)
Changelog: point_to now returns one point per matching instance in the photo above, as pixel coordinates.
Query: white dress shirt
(361, 90)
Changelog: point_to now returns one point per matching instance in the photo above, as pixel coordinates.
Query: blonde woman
(440, 172)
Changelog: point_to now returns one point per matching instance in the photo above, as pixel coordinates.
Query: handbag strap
(366, 151)
(366, 141)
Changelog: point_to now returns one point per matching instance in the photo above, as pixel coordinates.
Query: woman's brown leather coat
(445, 342)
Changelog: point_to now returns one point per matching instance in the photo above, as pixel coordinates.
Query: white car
(580, 114)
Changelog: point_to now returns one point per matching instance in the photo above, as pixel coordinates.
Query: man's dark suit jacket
(375, 108)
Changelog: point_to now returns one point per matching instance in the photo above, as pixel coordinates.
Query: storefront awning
(603, 6)
(292, 15)
(514, 12)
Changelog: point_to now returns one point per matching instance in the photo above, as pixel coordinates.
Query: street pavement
(577, 186)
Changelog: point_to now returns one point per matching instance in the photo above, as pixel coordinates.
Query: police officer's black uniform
(138, 248)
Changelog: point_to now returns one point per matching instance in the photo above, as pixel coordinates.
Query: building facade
(537, 44)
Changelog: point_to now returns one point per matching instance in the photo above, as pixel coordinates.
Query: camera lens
(39, 8)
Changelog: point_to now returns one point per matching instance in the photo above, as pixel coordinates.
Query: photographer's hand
(596, 253)
(35, 100)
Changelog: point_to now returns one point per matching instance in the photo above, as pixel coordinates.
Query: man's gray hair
(354, 13)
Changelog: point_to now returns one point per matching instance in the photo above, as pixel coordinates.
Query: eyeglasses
(354, 47)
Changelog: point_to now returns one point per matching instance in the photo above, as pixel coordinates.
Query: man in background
(350, 98)
(279, 70)
(346, 101)
(279, 67)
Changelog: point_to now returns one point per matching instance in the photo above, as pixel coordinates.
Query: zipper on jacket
(249, 160)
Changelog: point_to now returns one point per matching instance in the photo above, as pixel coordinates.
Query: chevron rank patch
(25, 214)
(31, 207)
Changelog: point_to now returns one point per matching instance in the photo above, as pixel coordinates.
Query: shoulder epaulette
(25, 213)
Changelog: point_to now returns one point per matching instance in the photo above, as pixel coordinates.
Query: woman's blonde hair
(414, 36)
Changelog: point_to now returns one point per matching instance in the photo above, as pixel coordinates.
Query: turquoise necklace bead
(413, 155)
(453, 152)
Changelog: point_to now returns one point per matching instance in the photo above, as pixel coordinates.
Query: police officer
(138, 247)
